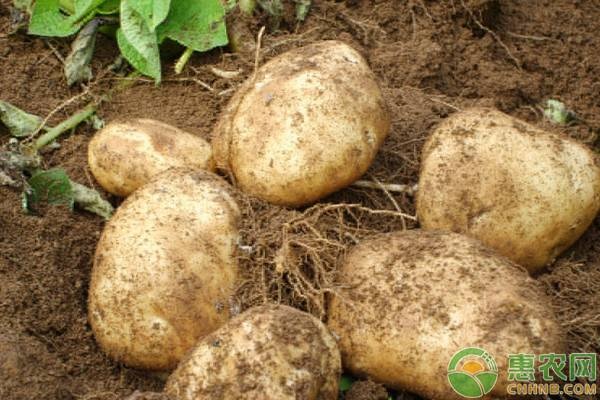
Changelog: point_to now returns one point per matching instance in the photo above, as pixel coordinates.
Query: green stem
(64, 126)
(185, 57)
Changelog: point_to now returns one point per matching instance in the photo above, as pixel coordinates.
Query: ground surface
(431, 57)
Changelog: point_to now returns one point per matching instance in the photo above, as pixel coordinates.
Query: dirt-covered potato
(308, 124)
(125, 155)
(165, 269)
(410, 300)
(268, 352)
(526, 193)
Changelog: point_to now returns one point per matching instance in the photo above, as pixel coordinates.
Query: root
(291, 257)
(494, 35)
(575, 289)
(389, 187)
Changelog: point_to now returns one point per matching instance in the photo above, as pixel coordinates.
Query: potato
(524, 192)
(125, 155)
(308, 124)
(410, 300)
(165, 269)
(269, 352)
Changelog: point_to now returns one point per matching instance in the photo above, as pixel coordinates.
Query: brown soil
(431, 57)
(366, 390)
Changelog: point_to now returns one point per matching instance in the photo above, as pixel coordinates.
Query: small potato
(524, 192)
(308, 124)
(165, 269)
(268, 353)
(125, 155)
(410, 300)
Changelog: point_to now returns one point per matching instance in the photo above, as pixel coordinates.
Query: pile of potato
(498, 199)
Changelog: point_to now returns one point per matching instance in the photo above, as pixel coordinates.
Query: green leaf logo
(472, 372)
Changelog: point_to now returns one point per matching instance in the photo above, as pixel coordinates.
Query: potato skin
(410, 300)
(165, 269)
(524, 192)
(269, 352)
(308, 125)
(125, 155)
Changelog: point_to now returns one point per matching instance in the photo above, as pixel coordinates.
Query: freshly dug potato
(524, 192)
(410, 300)
(125, 155)
(268, 352)
(164, 270)
(308, 124)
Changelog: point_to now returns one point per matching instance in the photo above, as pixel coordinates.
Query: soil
(431, 57)
(366, 390)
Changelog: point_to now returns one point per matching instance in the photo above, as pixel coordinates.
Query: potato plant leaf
(55, 188)
(557, 112)
(346, 382)
(90, 200)
(153, 11)
(199, 25)
(109, 7)
(85, 9)
(138, 41)
(145, 65)
(52, 186)
(48, 20)
(77, 63)
(18, 122)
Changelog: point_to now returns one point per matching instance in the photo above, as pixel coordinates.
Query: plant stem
(185, 57)
(64, 126)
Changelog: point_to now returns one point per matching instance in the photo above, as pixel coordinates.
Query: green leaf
(199, 24)
(346, 382)
(55, 188)
(52, 186)
(48, 20)
(77, 63)
(109, 7)
(557, 112)
(153, 11)
(90, 200)
(138, 42)
(160, 12)
(85, 10)
(147, 67)
(18, 122)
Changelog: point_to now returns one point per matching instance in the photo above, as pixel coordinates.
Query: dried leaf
(18, 122)
(77, 63)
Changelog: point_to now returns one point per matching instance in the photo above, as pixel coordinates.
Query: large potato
(268, 353)
(164, 270)
(524, 192)
(125, 155)
(308, 124)
(410, 300)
